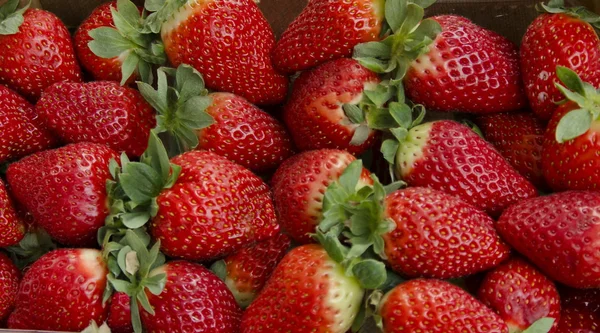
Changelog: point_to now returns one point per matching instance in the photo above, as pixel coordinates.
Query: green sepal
(34, 244)
(580, 12)
(161, 11)
(543, 325)
(470, 124)
(370, 273)
(11, 18)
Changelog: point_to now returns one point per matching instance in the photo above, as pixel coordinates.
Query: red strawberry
(450, 157)
(558, 233)
(521, 295)
(569, 160)
(229, 42)
(299, 187)
(9, 284)
(316, 113)
(580, 311)
(101, 112)
(11, 224)
(65, 191)
(21, 131)
(246, 271)
(119, 315)
(436, 307)
(308, 292)
(62, 291)
(518, 137)
(193, 300)
(564, 39)
(36, 53)
(327, 30)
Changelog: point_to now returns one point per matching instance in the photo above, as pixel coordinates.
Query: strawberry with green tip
(36, 50)
(522, 296)
(569, 159)
(11, 224)
(9, 285)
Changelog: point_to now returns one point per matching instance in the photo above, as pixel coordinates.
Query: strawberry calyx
(161, 10)
(580, 12)
(181, 107)
(11, 17)
(131, 41)
(576, 122)
(543, 325)
(34, 245)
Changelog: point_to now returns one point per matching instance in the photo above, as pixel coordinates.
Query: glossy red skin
(119, 314)
(102, 69)
(102, 111)
(314, 111)
(65, 190)
(553, 40)
(519, 138)
(194, 301)
(459, 162)
(215, 208)
(37, 56)
(439, 236)
(558, 233)
(251, 267)
(574, 164)
(299, 187)
(580, 311)
(245, 134)
(326, 30)
(60, 292)
(520, 294)
(436, 306)
(230, 43)
(9, 284)
(21, 130)
(471, 69)
(13, 228)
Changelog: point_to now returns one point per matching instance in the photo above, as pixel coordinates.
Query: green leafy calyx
(11, 17)
(581, 12)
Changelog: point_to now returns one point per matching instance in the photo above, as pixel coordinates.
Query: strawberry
(65, 191)
(246, 271)
(519, 138)
(521, 295)
(435, 306)
(307, 283)
(119, 314)
(580, 311)
(101, 112)
(9, 284)
(36, 50)
(557, 233)
(62, 291)
(11, 224)
(299, 187)
(326, 106)
(228, 41)
(327, 30)
(21, 131)
(560, 37)
(569, 161)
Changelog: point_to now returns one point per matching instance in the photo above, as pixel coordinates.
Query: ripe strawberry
(435, 306)
(557, 233)
(229, 42)
(65, 191)
(11, 224)
(307, 283)
(448, 156)
(21, 131)
(9, 284)
(518, 137)
(317, 113)
(193, 300)
(246, 271)
(561, 37)
(299, 187)
(520, 294)
(101, 112)
(36, 53)
(327, 30)
(119, 314)
(569, 159)
(62, 291)
(580, 311)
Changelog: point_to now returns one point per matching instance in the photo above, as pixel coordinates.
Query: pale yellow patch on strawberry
(344, 297)
(411, 149)
(90, 261)
(243, 298)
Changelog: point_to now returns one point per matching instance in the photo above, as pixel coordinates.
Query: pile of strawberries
(143, 189)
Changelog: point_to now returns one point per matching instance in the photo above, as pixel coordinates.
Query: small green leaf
(402, 113)
(154, 5)
(572, 96)
(357, 249)
(121, 256)
(399, 133)
(570, 79)
(354, 113)
(141, 182)
(414, 15)
(382, 93)
(374, 64)
(380, 119)
(573, 124)
(393, 187)
(8, 8)
(332, 245)
(121, 285)
(157, 156)
(129, 12)
(377, 50)
(395, 13)
(370, 273)
(389, 149)
(124, 27)
(162, 86)
(194, 112)
(427, 31)
(543, 325)
(145, 71)
(129, 66)
(135, 220)
(143, 299)
(189, 83)
(151, 96)
(379, 246)
(423, 3)
(351, 175)
(136, 320)
(361, 134)
(108, 43)
(421, 109)
(11, 24)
